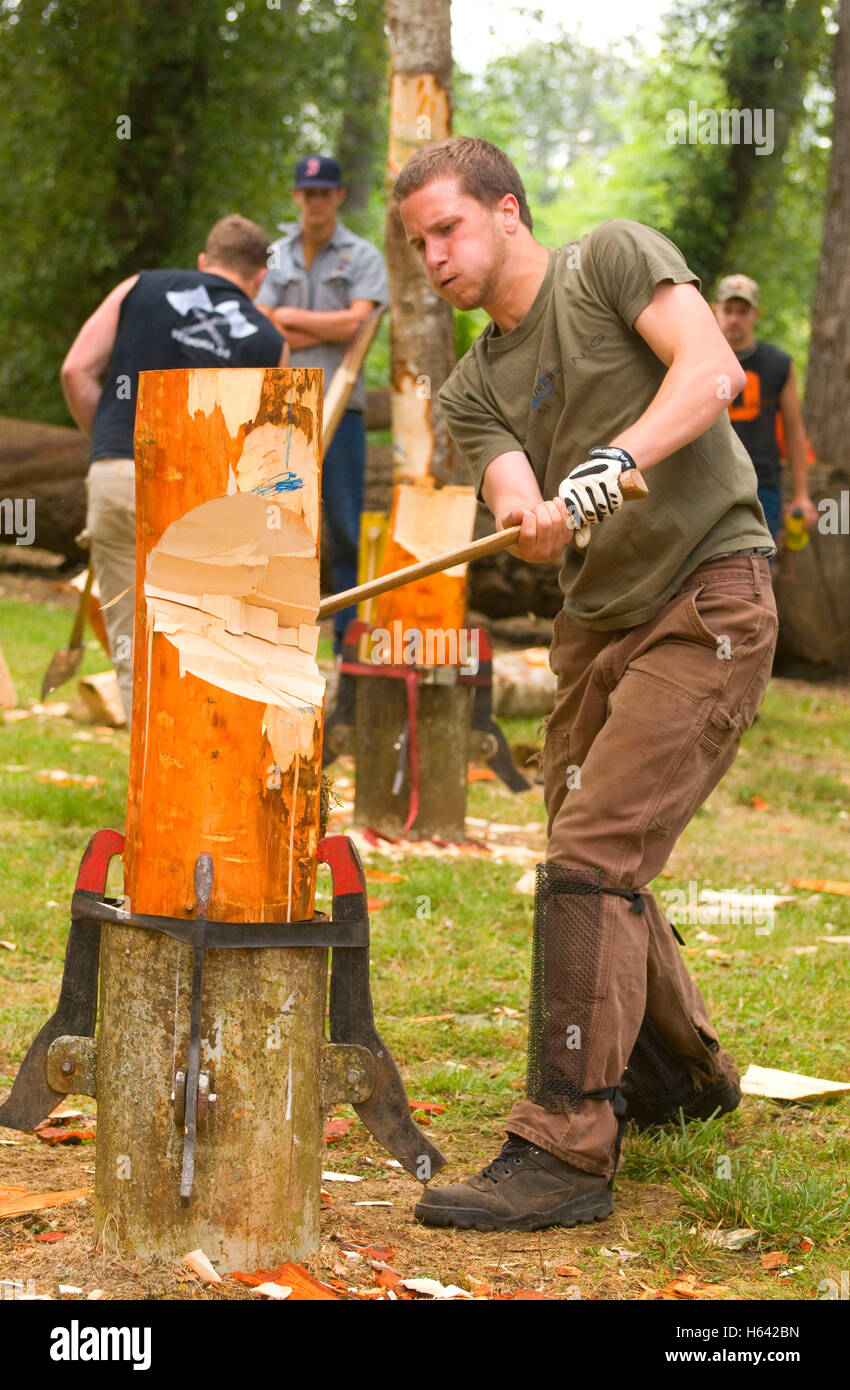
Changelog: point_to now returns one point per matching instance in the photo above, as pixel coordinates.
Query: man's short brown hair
(239, 245)
(483, 171)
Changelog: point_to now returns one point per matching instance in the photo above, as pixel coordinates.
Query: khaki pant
(646, 722)
(111, 525)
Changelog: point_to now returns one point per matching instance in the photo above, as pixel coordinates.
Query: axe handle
(488, 545)
(633, 488)
(82, 610)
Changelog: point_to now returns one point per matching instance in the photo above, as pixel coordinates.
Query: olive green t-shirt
(573, 375)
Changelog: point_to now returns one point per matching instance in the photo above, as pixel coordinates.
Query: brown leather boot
(523, 1189)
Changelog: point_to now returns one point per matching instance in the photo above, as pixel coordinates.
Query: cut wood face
(234, 586)
(429, 521)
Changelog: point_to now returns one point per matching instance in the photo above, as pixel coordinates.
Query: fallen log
(47, 464)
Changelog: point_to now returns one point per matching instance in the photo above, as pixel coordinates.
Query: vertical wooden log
(225, 760)
(421, 324)
(443, 721)
(422, 356)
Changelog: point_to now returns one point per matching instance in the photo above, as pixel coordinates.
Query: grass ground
(451, 942)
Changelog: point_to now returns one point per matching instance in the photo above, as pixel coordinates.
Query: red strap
(412, 681)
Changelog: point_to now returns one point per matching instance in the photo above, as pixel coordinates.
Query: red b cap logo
(313, 167)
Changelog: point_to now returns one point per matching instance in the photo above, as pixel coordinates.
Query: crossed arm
(681, 330)
(307, 328)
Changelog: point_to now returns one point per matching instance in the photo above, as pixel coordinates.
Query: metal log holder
(356, 1066)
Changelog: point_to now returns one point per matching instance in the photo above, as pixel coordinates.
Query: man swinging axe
(602, 356)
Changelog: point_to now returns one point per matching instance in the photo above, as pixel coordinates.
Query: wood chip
(823, 885)
(16, 1200)
(730, 1240)
(198, 1262)
(434, 1289)
(787, 1085)
(773, 1259)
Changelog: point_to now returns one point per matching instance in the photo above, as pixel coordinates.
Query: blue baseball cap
(318, 171)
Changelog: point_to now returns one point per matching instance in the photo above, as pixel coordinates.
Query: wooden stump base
(443, 721)
(258, 1165)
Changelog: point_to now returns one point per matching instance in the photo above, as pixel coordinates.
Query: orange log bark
(425, 521)
(202, 764)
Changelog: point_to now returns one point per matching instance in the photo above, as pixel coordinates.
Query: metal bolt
(353, 1076)
(67, 1068)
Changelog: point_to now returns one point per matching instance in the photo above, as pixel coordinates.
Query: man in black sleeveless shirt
(152, 321)
(770, 388)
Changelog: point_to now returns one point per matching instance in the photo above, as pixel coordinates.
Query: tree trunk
(422, 356)
(814, 590)
(225, 760)
(421, 325)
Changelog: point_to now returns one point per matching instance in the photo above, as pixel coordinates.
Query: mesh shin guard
(564, 966)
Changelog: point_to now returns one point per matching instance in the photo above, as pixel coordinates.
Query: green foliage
(468, 325)
(779, 1205)
(726, 207)
(760, 57)
(221, 98)
(548, 106)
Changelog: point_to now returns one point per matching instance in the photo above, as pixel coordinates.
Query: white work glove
(592, 490)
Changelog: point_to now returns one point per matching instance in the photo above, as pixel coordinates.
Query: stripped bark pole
(225, 760)
(421, 324)
(425, 522)
(422, 356)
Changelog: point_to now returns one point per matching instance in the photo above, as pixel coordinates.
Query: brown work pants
(646, 722)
